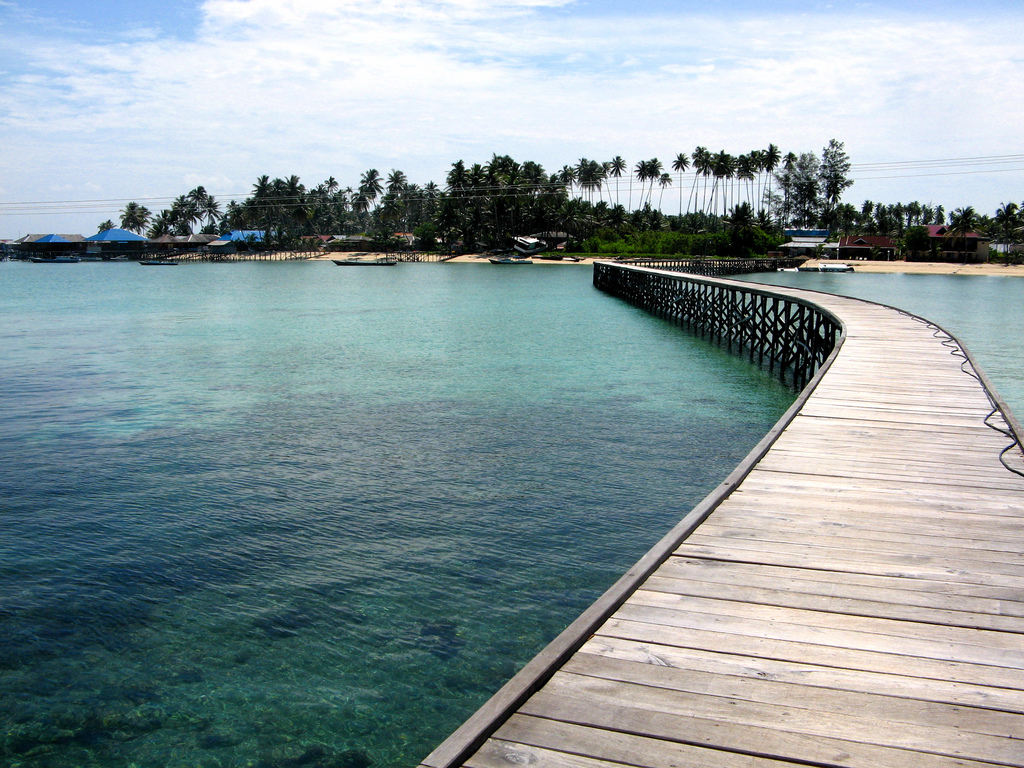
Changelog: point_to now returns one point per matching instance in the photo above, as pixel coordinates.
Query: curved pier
(851, 595)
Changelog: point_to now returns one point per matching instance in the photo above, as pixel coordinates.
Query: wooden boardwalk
(856, 600)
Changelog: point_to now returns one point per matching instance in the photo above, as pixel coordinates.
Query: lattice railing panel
(790, 337)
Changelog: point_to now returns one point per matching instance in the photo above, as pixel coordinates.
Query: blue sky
(144, 100)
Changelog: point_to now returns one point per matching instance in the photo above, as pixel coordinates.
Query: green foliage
(748, 241)
(732, 206)
(916, 239)
(426, 236)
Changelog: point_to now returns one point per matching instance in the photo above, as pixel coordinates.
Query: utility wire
(628, 185)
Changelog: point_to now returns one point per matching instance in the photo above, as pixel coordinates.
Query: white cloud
(318, 88)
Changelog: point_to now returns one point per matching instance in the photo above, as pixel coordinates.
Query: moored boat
(55, 260)
(509, 260)
(384, 261)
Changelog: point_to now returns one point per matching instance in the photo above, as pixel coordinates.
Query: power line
(897, 169)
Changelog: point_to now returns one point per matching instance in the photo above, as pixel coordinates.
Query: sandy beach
(932, 268)
(878, 267)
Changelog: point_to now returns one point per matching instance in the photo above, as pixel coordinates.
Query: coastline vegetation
(726, 206)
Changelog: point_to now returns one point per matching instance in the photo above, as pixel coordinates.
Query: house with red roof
(967, 248)
(864, 247)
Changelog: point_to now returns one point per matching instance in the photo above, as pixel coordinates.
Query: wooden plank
(880, 608)
(808, 649)
(496, 753)
(908, 515)
(892, 684)
(941, 595)
(834, 561)
(525, 734)
(824, 701)
(799, 491)
(778, 732)
(888, 457)
(935, 483)
(904, 637)
(784, 532)
(877, 491)
(972, 540)
(930, 565)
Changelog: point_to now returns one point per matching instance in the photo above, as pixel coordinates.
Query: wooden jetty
(851, 595)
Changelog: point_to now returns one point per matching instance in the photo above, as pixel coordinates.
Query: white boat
(509, 260)
(829, 267)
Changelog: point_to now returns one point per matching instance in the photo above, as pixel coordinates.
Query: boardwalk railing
(717, 267)
(486, 720)
(790, 336)
(854, 600)
(198, 256)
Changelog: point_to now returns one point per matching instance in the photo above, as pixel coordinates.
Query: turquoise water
(290, 514)
(985, 312)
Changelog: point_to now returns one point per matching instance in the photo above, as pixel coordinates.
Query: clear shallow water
(290, 514)
(985, 312)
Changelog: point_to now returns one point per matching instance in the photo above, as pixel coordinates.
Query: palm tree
(135, 217)
(962, 222)
(745, 172)
(457, 177)
(235, 217)
(665, 180)
(1008, 219)
(764, 221)
(567, 176)
(589, 176)
(262, 187)
(740, 217)
(700, 168)
(397, 182)
(654, 168)
(723, 167)
(680, 164)
(788, 169)
(198, 197)
(210, 210)
(770, 159)
(616, 168)
(162, 225)
(640, 170)
(184, 214)
(370, 186)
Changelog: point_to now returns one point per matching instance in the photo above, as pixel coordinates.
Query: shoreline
(864, 267)
(926, 267)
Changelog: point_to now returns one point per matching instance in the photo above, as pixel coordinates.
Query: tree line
(745, 201)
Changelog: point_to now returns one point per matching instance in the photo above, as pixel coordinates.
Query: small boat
(55, 260)
(824, 267)
(159, 263)
(355, 262)
(509, 260)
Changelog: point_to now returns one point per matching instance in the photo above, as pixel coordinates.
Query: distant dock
(851, 595)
